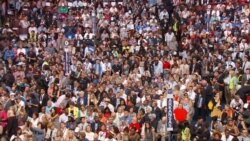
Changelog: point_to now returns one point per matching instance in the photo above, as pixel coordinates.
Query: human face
(244, 133)
(88, 129)
(180, 106)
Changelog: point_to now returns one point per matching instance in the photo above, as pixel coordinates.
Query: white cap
(12, 94)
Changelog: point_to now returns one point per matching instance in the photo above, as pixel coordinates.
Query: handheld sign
(170, 105)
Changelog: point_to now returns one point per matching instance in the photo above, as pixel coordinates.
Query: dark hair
(36, 114)
(235, 139)
(42, 125)
(126, 129)
(150, 126)
(116, 130)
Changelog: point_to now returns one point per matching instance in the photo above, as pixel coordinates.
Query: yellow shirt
(185, 134)
(75, 111)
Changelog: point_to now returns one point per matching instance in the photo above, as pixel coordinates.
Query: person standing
(12, 123)
(244, 136)
(181, 114)
(3, 119)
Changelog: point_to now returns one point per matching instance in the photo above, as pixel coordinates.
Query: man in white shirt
(88, 35)
(87, 66)
(63, 118)
(244, 46)
(20, 102)
(237, 102)
(162, 102)
(229, 63)
(238, 54)
(245, 64)
(226, 136)
(244, 136)
(82, 126)
(158, 67)
(170, 39)
(106, 66)
(62, 101)
(164, 13)
(79, 36)
(106, 104)
(32, 28)
(191, 93)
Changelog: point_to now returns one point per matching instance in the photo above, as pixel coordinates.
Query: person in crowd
(12, 127)
(124, 70)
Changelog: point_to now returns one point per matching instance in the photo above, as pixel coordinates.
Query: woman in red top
(3, 119)
(166, 66)
(180, 113)
(135, 125)
(107, 113)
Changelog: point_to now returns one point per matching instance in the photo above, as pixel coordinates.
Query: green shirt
(63, 9)
(233, 82)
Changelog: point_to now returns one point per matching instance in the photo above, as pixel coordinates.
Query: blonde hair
(50, 124)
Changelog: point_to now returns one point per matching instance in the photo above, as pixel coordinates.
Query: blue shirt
(9, 54)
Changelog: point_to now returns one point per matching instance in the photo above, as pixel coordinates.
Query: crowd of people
(103, 70)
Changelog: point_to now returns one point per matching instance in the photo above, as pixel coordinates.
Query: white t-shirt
(63, 118)
(90, 136)
(223, 138)
(32, 29)
(21, 50)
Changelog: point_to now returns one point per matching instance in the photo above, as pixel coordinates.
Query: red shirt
(166, 65)
(243, 1)
(136, 126)
(59, 110)
(180, 114)
(107, 115)
(3, 117)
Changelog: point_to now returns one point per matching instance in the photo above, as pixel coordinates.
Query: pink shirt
(3, 117)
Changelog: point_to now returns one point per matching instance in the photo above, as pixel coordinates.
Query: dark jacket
(83, 99)
(195, 68)
(157, 112)
(243, 92)
(196, 103)
(44, 100)
(12, 126)
(243, 79)
(96, 126)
